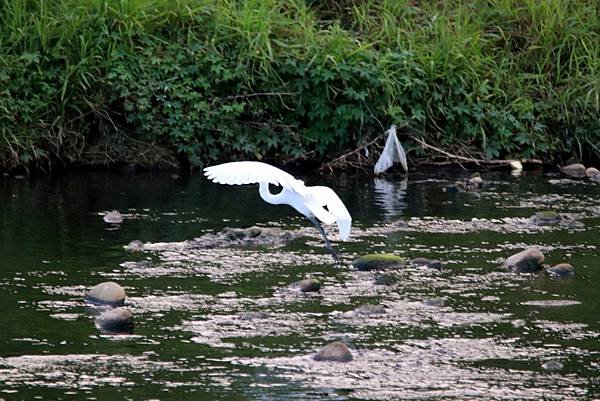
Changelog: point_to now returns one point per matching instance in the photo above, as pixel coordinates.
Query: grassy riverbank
(98, 81)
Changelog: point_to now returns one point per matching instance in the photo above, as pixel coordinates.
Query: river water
(470, 331)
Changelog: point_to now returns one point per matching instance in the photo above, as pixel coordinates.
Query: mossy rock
(546, 218)
(378, 261)
(309, 285)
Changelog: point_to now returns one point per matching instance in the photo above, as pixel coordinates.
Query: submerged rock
(432, 264)
(336, 351)
(474, 182)
(528, 261)
(117, 321)
(254, 316)
(107, 293)
(552, 365)
(561, 270)
(370, 310)
(438, 301)
(378, 261)
(576, 170)
(309, 285)
(113, 217)
(386, 279)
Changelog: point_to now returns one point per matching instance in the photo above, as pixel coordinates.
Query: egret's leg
(330, 247)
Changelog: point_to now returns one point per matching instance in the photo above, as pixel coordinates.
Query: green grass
(101, 81)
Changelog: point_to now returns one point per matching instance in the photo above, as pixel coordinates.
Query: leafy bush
(99, 81)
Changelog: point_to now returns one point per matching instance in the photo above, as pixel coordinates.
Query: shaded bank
(165, 82)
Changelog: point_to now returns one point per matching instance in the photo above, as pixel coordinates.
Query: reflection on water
(390, 196)
(228, 324)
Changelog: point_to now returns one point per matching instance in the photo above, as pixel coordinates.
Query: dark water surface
(471, 331)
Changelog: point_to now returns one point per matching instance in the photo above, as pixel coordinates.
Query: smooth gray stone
(552, 365)
(528, 261)
(386, 279)
(576, 170)
(108, 293)
(117, 320)
(113, 217)
(336, 351)
(309, 285)
(561, 270)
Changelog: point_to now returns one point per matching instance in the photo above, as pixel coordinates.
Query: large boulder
(528, 261)
(378, 261)
(576, 170)
(116, 321)
(107, 293)
(336, 351)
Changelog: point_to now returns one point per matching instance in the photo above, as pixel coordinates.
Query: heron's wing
(247, 172)
(392, 152)
(336, 210)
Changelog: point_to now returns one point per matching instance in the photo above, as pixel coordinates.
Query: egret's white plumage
(392, 152)
(313, 202)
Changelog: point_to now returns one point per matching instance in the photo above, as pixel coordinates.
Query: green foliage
(224, 79)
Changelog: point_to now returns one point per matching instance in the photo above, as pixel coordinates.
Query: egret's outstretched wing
(239, 173)
(324, 196)
(392, 152)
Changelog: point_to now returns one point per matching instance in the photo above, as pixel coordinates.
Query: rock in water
(552, 365)
(385, 279)
(113, 217)
(528, 261)
(546, 218)
(475, 181)
(432, 264)
(107, 293)
(378, 261)
(561, 270)
(309, 285)
(116, 321)
(576, 170)
(336, 351)
(370, 310)
(592, 172)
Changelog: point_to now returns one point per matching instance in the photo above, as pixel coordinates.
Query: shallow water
(471, 331)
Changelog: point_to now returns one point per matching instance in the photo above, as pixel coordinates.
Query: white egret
(318, 204)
